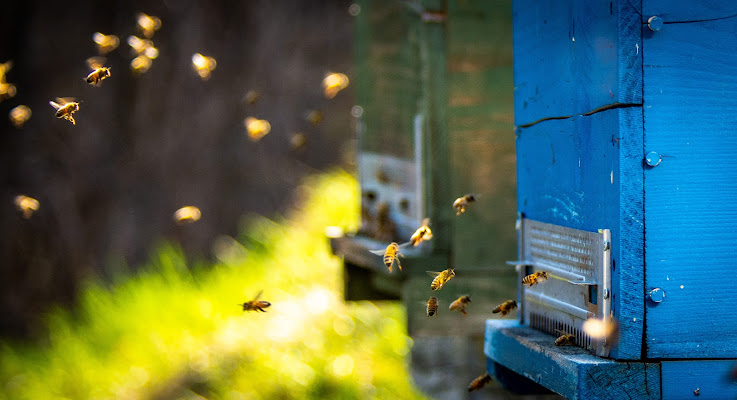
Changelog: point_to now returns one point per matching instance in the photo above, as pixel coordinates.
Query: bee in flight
(65, 108)
(602, 329)
(505, 307)
(26, 205)
(187, 215)
(462, 202)
(479, 382)
(565, 339)
(99, 73)
(256, 304)
(441, 278)
(535, 278)
(460, 304)
(390, 255)
(422, 233)
(432, 306)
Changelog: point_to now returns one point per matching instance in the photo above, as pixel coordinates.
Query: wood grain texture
(569, 371)
(568, 56)
(690, 94)
(711, 377)
(683, 11)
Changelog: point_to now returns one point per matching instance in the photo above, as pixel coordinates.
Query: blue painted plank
(569, 371)
(574, 56)
(694, 10)
(690, 94)
(681, 379)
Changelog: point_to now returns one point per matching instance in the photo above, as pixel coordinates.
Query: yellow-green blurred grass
(173, 332)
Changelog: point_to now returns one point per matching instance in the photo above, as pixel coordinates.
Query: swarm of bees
(187, 215)
(256, 304)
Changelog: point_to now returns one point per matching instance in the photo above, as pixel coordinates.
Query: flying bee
(422, 233)
(105, 43)
(462, 202)
(252, 96)
(334, 83)
(65, 108)
(99, 72)
(565, 339)
(7, 90)
(441, 278)
(460, 304)
(314, 117)
(534, 278)
(602, 329)
(4, 68)
(187, 215)
(391, 254)
(432, 307)
(505, 307)
(143, 47)
(26, 205)
(148, 24)
(256, 304)
(19, 116)
(479, 382)
(257, 128)
(203, 65)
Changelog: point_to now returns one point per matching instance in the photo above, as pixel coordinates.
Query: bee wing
(378, 252)
(55, 105)
(426, 222)
(64, 100)
(405, 245)
(258, 295)
(433, 273)
(95, 62)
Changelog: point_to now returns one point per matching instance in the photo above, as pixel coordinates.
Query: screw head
(653, 158)
(656, 295)
(606, 293)
(655, 23)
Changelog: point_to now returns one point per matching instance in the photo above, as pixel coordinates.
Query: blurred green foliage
(173, 332)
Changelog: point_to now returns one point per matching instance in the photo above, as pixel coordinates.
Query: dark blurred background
(146, 145)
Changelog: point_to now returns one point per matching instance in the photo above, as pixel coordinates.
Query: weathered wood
(571, 59)
(690, 92)
(681, 11)
(569, 371)
(712, 378)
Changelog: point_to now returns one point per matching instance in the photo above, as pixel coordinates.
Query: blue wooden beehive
(627, 192)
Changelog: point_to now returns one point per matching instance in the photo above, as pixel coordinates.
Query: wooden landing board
(679, 11)
(569, 371)
(690, 97)
(712, 378)
(574, 56)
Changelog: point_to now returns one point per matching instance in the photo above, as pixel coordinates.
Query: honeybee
(256, 304)
(203, 65)
(4, 68)
(432, 307)
(441, 278)
(479, 382)
(390, 255)
(460, 304)
(99, 73)
(565, 339)
(257, 128)
(314, 117)
(602, 329)
(462, 202)
(505, 307)
(26, 205)
(386, 229)
(19, 116)
(148, 24)
(187, 214)
(65, 108)
(422, 233)
(105, 43)
(252, 96)
(334, 83)
(534, 278)
(7, 90)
